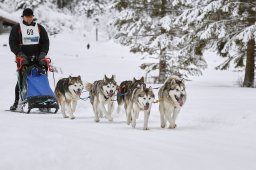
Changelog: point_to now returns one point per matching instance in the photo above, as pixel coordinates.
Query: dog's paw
(133, 125)
(146, 128)
(129, 121)
(173, 126)
(97, 120)
(162, 125)
(72, 117)
(110, 119)
(65, 116)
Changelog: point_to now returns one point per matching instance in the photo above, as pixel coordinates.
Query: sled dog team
(133, 95)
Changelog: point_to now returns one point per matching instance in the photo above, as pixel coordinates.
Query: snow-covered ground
(216, 127)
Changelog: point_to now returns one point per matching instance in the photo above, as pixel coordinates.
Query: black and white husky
(139, 100)
(172, 96)
(102, 92)
(68, 91)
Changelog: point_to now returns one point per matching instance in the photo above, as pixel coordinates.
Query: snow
(216, 127)
(5, 14)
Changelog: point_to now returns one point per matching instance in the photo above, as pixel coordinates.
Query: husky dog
(125, 88)
(172, 96)
(68, 91)
(140, 99)
(102, 93)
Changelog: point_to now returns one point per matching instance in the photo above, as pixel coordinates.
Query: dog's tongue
(180, 101)
(146, 107)
(78, 93)
(110, 94)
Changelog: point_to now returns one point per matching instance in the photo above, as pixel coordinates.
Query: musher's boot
(14, 106)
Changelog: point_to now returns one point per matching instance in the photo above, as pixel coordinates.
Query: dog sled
(35, 91)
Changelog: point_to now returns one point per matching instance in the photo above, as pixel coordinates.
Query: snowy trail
(216, 127)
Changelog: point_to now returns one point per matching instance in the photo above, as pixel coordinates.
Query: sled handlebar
(47, 60)
(19, 62)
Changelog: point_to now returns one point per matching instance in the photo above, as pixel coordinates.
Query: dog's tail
(88, 86)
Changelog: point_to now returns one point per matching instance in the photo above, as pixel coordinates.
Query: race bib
(30, 34)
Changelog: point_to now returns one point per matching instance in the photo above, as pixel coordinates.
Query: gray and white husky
(102, 93)
(68, 91)
(140, 99)
(172, 96)
(127, 87)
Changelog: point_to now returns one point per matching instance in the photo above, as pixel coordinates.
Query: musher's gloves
(42, 55)
(22, 55)
(42, 62)
(23, 61)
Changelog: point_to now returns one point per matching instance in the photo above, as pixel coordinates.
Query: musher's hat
(27, 12)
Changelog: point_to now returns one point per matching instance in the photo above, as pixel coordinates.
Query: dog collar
(106, 98)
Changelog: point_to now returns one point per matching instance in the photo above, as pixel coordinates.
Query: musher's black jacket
(15, 41)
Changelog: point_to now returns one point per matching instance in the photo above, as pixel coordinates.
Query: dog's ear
(113, 77)
(141, 87)
(133, 79)
(183, 80)
(69, 79)
(173, 82)
(142, 79)
(150, 89)
(79, 77)
(105, 78)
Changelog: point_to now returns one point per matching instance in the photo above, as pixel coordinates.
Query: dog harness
(30, 34)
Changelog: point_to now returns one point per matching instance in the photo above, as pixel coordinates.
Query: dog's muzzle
(110, 93)
(180, 99)
(146, 107)
(78, 92)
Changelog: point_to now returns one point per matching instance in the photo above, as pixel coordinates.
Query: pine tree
(228, 27)
(21, 4)
(63, 3)
(90, 8)
(93, 11)
(146, 26)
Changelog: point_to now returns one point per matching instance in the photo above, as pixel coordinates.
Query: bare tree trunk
(96, 34)
(60, 3)
(250, 65)
(1, 26)
(162, 58)
(250, 51)
(163, 7)
(162, 67)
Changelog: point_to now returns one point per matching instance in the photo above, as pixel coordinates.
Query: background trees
(172, 34)
(147, 27)
(227, 27)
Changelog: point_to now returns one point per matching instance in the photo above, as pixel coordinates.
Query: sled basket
(36, 90)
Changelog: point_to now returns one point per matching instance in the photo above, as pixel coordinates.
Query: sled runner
(35, 89)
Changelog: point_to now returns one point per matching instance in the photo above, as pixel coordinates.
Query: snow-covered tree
(90, 8)
(63, 3)
(21, 4)
(147, 27)
(46, 13)
(228, 27)
(94, 10)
